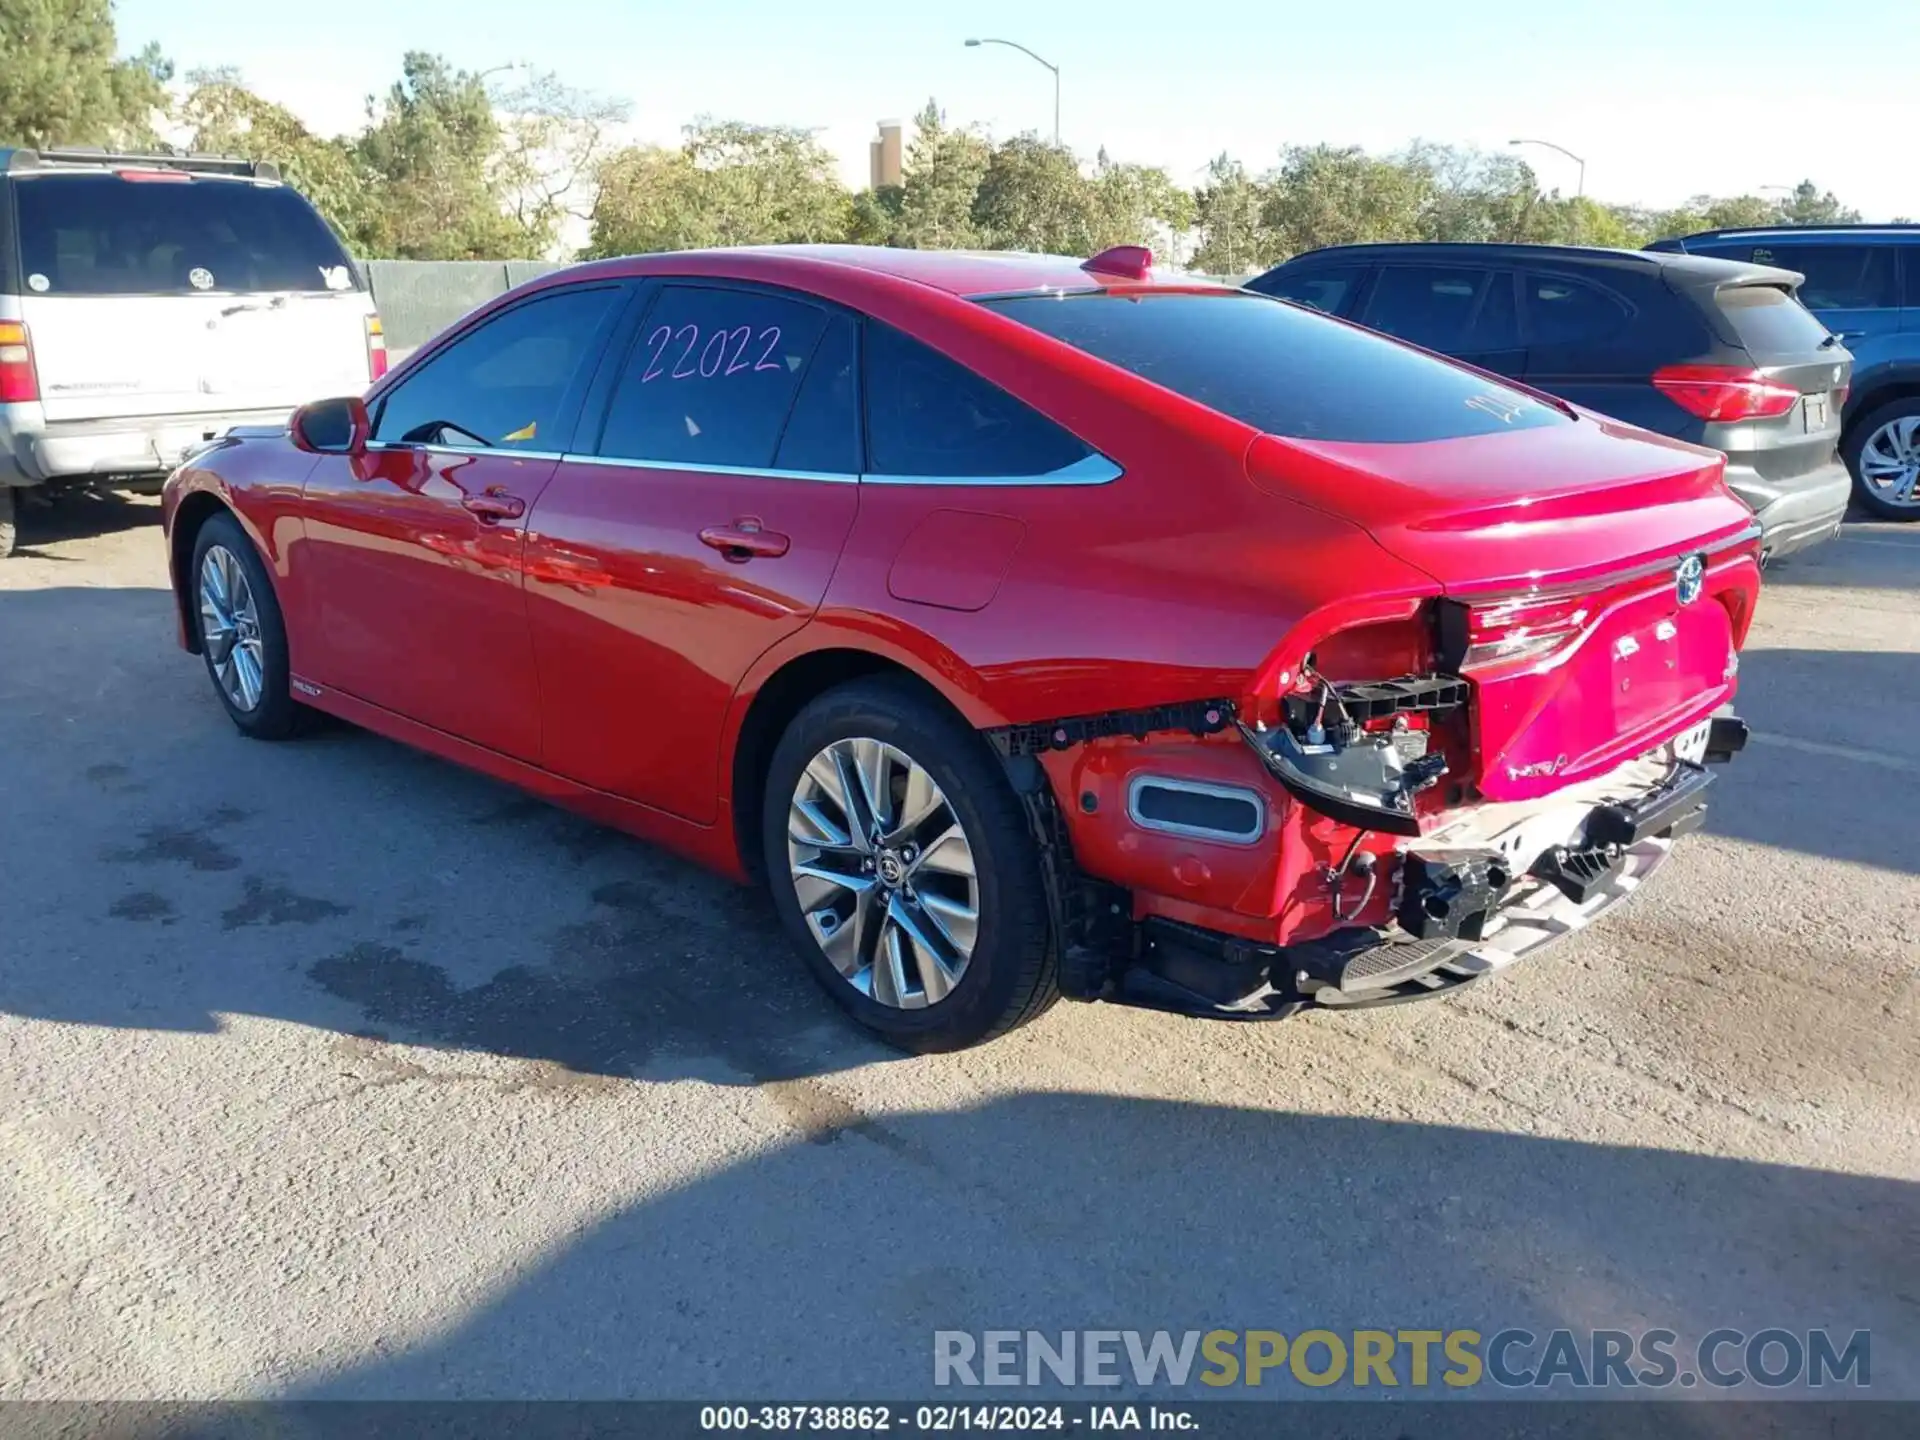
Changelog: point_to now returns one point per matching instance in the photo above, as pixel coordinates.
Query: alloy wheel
(230, 628)
(1890, 461)
(884, 873)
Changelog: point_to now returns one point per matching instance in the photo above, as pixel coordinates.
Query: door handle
(491, 506)
(743, 540)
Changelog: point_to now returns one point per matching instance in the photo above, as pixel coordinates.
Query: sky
(1662, 100)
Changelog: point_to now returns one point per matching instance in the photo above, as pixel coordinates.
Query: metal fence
(417, 299)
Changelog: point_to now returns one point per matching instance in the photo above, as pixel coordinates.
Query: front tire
(1882, 452)
(904, 871)
(243, 638)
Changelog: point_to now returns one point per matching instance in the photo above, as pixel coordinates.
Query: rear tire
(945, 907)
(243, 638)
(1873, 448)
(9, 526)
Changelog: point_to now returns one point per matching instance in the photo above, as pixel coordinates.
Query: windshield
(1282, 369)
(105, 235)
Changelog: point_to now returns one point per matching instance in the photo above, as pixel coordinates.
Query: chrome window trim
(1240, 838)
(1093, 469)
(764, 471)
(495, 450)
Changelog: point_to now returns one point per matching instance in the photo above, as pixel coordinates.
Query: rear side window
(104, 235)
(1839, 277)
(505, 384)
(1564, 311)
(928, 415)
(1281, 369)
(1324, 287)
(711, 377)
(1769, 321)
(1452, 309)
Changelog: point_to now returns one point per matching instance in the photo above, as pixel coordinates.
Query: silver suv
(149, 302)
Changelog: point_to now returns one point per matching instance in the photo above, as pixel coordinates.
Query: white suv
(149, 302)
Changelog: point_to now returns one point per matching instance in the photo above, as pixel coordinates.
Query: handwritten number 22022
(713, 358)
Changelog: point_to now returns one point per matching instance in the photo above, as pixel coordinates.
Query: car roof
(1681, 265)
(1907, 232)
(970, 274)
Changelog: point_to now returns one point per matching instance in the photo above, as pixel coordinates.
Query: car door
(695, 523)
(1466, 311)
(410, 567)
(1582, 346)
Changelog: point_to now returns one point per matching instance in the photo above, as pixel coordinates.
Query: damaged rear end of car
(1452, 759)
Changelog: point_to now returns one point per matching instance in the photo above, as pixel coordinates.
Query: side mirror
(332, 427)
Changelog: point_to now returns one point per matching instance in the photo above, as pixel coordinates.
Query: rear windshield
(1769, 321)
(103, 235)
(1280, 368)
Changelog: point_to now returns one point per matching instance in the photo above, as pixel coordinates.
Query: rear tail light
(1515, 631)
(17, 379)
(1725, 392)
(376, 348)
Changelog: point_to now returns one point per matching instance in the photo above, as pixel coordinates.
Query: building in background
(884, 155)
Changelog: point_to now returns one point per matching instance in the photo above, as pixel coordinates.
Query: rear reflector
(376, 348)
(1724, 392)
(17, 379)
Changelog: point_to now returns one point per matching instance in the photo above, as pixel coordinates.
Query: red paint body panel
(410, 602)
(597, 651)
(643, 633)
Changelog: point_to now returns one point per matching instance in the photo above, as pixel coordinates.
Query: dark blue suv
(1863, 282)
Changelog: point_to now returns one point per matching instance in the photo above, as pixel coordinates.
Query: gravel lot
(330, 1069)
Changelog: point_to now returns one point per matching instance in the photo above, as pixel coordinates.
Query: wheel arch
(1875, 390)
(785, 683)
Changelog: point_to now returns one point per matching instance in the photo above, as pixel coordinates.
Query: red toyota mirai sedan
(1029, 627)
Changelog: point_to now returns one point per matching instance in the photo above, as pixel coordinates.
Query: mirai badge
(1689, 578)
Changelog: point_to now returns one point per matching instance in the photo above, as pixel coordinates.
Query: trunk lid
(1598, 581)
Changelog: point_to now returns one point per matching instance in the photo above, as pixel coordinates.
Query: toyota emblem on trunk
(1689, 578)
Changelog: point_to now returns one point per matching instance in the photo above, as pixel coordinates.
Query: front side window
(711, 378)
(1282, 369)
(109, 235)
(931, 416)
(506, 384)
(1452, 309)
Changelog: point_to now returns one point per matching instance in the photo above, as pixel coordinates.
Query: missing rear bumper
(1464, 910)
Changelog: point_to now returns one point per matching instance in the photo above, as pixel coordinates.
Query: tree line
(451, 164)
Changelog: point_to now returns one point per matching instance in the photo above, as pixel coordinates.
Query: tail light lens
(17, 378)
(376, 348)
(1725, 392)
(1514, 631)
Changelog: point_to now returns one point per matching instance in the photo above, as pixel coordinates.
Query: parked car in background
(1031, 627)
(1708, 351)
(149, 302)
(1863, 281)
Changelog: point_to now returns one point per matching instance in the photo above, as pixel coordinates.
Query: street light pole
(1016, 45)
(1580, 193)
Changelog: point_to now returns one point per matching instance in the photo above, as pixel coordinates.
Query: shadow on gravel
(76, 515)
(1831, 770)
(821, 1270)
